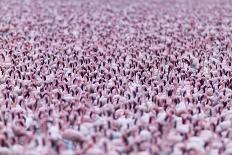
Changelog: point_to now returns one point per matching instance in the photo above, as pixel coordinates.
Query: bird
(128, 77)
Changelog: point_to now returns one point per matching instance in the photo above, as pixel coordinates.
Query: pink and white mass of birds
(115, 77)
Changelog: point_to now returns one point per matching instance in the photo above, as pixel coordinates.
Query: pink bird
(127, 77)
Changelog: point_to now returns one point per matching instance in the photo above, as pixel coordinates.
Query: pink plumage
(115, 77)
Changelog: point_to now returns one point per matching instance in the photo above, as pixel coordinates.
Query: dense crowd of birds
(115, 77)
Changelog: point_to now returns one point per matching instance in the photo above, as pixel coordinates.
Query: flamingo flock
(105, 77)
